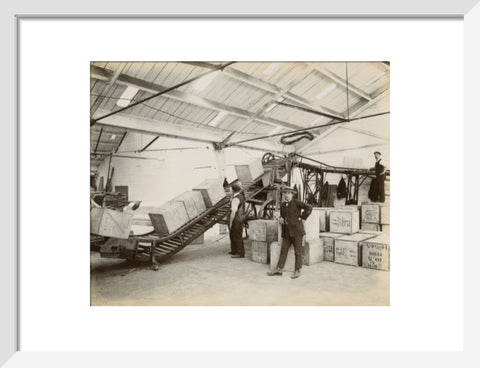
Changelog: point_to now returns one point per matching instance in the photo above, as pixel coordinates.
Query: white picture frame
(11, 356)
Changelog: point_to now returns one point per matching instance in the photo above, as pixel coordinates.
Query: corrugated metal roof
(245, 92)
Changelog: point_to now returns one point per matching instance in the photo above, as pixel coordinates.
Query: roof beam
(273, 99)
(349, 149)
(174, 130)
(357, 112)
(101, 73)
(269, 87)
(364, 132)
(340, 81)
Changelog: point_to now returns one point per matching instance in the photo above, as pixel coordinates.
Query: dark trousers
(380, 184)
(297, 244)
(236, 239)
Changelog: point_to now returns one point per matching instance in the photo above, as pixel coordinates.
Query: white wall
(167, 173)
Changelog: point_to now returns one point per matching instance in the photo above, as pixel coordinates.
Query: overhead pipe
(307, 129)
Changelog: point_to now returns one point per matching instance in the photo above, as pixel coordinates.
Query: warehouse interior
(159, 130)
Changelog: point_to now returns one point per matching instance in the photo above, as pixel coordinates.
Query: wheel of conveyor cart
(267, 157)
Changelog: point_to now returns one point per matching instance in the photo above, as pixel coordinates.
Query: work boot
(237, 256)
(296, 274)
(276, 272)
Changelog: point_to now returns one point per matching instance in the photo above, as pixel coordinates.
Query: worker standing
(292, 212)
(236, 219)
(380, 174)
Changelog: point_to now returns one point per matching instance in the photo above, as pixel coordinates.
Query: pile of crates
(341, 235)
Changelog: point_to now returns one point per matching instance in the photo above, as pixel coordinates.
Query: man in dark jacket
(292, 212)
(235, 222)
(380, 171)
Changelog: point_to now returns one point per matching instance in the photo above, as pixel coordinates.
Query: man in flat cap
(380, 171)
(236, 219)
(292, 212)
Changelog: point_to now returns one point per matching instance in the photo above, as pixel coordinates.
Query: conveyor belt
(155, 248)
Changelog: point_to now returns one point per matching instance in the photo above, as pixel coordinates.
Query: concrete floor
(204, 274)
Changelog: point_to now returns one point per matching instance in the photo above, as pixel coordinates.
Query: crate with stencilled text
(249, 172)
(348, 249)
(263, 230)
(344, 221)
(375, 213)
(376, 253)
(313, 251)
(212, 191)
(111, 223)
(193, 201)
(171, 216)
(329, 245)
(260, 252)
(366, 226)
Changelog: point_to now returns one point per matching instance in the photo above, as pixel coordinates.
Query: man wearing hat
(236, 218)
(380, 171)
(292, 212)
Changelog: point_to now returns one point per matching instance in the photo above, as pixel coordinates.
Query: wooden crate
(377, 213)
(348, 249)
(249, 172)
(212, 191)
(329, 245)
(193, 202)
(344, 221)
(260, 252)
(313, 252)
(373, 232)
(371, 227)
(231, 174)
(322, 216)
(385, 214)
(312, 223)
(275, 248)
(263, 230)
(169, 218)
(376, 253)
(111, 223)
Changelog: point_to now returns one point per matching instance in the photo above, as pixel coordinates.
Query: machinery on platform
(263, 198)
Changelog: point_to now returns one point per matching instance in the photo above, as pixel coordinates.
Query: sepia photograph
(222, 183)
